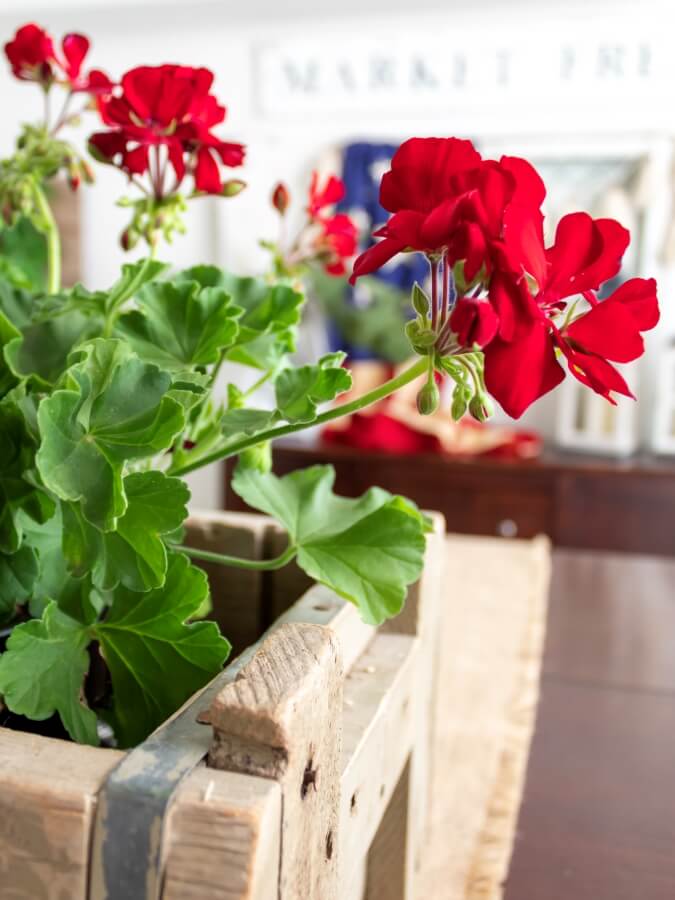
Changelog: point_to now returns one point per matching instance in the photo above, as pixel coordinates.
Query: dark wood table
(598, 815)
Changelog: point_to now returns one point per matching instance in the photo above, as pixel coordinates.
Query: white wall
(285, 137)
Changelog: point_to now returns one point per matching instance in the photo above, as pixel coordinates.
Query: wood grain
(280, 719)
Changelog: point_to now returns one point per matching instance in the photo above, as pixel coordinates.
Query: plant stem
(51, 232)
(344, 409)
(115, 301)
(265, 565)
(433, 264)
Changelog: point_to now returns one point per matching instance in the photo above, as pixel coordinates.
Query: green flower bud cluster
(470, 393)
(153, 219)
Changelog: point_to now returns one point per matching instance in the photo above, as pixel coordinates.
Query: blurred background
(584, 90)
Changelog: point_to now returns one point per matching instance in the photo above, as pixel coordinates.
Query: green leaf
(247, 421)
(18, 493)
(366, 549)
(157, 660)
(181, 324)
(134, 276)
(43, 348)
(23, 254)
(16, 304)
(54, 581)
(8, 333)
(18, 572)
(134, 554)
(43, 669)
(268, 327)
(114, 410)
(299, 391)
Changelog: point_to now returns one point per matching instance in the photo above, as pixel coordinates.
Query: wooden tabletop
(598, 816)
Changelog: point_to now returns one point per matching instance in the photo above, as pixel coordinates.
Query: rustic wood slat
(379, 735)
(223, 835)
(47, 802)
(236, 594)
(280, 719)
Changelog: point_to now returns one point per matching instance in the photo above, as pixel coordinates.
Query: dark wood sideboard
(580, 501)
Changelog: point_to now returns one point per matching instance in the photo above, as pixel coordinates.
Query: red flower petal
(596, 373)
(207, 173)
(608, 330)
(523, 242)
(529, 188)
(474, 322)
(136, 161)
(518, 373)
(375, 257)
(585, 254)
(638, 296)
(231, 154)
(75, 47)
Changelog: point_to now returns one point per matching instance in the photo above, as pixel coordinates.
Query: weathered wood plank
(47, 799)
(222, 838)
(280, 719)
(236, 594)
(379, 735)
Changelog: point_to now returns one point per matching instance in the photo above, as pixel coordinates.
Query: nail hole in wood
(382, 790)
(308, 779)
(329, 845)
(352, 803)
(322, 607)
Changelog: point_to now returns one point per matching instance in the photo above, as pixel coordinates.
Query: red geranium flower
(168, 107)
(75, 48)
(521, 361)
(448, 202)
(337, 242)
(320, 197)
(31, 54)
(474, 321)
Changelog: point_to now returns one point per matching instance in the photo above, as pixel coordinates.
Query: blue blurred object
(363, 166)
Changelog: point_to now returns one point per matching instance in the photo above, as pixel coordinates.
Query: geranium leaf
(17, 492)
(43, 348)
(115, 409)
(18, 572)
(8, 333)
(368, 549)
(300, 390)
(156, 659)
(246, 421)
(42, 672)
(54, 581)
(181, 324)
(268, 326)
(134, 554)
(134, 276)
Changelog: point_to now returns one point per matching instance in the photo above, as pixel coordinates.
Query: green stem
(265, 565)
(51, 232)
(344, 409)
(115, 301)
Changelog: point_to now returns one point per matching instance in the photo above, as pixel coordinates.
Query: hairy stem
(265, 565)
(344, 409)
(51, 232)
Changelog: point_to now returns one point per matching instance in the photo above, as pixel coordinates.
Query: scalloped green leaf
(368, 549)
(157, 658)
(134, 554)
(181, 324)
(299, 391)
(268, 326)
(43, 669)
(115, 409)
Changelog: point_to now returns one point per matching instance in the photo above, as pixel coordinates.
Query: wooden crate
(300, 773)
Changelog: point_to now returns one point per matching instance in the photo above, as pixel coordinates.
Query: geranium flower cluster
(327, 237)
(159, 129)
(33, 57)
(494, 283)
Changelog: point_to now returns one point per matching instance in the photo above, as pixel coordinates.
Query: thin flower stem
(264, 565)
(445, 308)
(51, 232)
(433, 264)
(344, 409)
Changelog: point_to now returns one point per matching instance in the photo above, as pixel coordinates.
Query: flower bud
(428, 399)
(420, 301)
(281, 198)
(232, 188)
(460, 401)
(481, 407)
